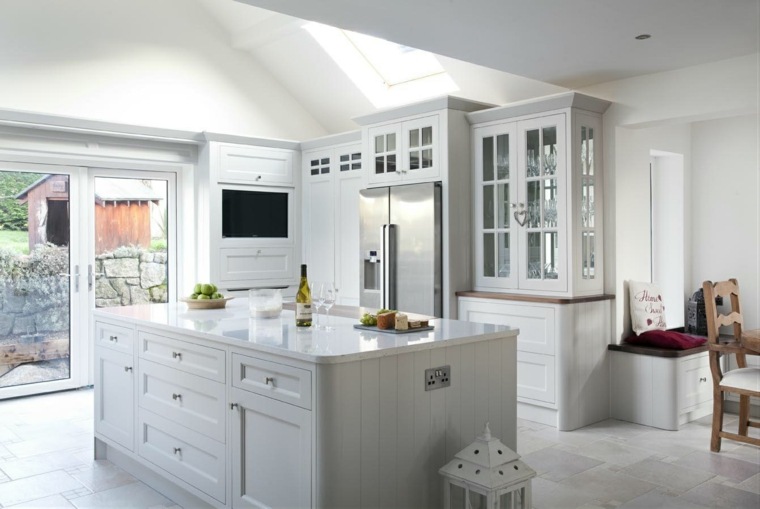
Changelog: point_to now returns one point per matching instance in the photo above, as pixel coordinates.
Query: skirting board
(538, 414)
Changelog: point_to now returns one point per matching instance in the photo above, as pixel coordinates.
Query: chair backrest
(729, 289)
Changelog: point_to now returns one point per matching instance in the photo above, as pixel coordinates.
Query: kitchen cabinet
(429, 141)
(332, 171)
(115, 383)
(537, 177)
(234, 412)
(241, 243)
(562, 367)
(404, 152)
(271, 404)
(659, 387)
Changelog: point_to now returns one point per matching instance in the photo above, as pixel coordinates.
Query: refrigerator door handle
(383, 265)
(390, 265)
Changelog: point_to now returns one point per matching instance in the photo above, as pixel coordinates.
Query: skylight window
(388, 74)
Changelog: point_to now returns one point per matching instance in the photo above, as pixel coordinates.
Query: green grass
(15, 241)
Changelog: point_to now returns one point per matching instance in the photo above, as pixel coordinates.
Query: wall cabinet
(562, 373)
(332, 175)
(537, 206)
(233, 175)
(404, 152)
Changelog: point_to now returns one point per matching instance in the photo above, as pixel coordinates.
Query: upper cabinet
(243, 164)
(537, 179)
(405, 151)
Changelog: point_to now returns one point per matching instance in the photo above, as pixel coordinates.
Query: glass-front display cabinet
(537, 201)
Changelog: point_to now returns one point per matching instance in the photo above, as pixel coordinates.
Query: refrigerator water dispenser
(371, 271)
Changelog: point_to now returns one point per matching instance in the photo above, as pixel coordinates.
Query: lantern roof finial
(487, 432)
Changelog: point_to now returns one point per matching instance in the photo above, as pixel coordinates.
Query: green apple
(207, 289)
(197, 288)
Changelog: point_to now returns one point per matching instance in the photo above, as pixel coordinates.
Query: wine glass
(328, 296)
(316, 301)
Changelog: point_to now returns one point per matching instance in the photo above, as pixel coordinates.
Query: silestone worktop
(234, 326)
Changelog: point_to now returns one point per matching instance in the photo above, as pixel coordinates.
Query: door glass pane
(414, 138)
(379, 144)
(550, 150)
(487, 159)
(551, 255)
(504, 265)
(379, 164)
(503, 203)
(391, 161)
(534, 204)
(427, 136)
(550, 203)
(391, 142)
(584, 151)
(590, 151)
(427, 158)
(502, 156)
(588, 255)
(488, 206)
(533, 152)
(414, 160)
(534, 255)
(488, 255)
(588, 203)
(131, 226)
(35, 265)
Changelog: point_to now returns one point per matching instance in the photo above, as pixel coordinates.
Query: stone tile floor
(46, 461)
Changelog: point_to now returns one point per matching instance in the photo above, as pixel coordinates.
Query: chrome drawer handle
(114, 339)
(258, 177)
(177, 397)
(177, 355)
(177, 450)
(233, 406)
(703, 379)
(269, 380)
(127, 369)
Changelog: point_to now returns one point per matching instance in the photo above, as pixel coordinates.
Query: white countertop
(233, 326)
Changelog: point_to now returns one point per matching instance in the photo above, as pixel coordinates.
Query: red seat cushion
(667, 339)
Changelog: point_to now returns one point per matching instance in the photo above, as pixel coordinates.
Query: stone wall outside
(130, 276)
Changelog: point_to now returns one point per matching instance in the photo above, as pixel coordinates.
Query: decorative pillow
(647, 310)
(667, 339)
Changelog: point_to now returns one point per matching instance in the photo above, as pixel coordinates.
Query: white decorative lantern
(487, 475)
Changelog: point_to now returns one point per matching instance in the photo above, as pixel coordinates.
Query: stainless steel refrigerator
(400, 237)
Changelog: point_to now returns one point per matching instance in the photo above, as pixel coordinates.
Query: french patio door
(73, 239)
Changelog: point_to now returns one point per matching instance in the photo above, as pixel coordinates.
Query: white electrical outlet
(437, 378)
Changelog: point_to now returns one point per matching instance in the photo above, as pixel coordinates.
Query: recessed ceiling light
(642, 37)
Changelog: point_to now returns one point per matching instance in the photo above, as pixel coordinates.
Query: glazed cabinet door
(542, 203)
(495, 185)
(271, 452)
(115, 396)
(383, 157)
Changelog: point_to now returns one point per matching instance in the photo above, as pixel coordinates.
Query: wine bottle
(303, 301)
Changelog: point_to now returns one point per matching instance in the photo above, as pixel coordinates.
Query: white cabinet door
(114, 396)
(271, 452)
(347, 186)
(319, 212)
(420, 157)
(383, 159)
(496, 183)
(255, 165)
(542, 162)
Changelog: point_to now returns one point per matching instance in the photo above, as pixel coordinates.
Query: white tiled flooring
(46, 461)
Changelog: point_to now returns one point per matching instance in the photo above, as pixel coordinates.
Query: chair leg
(717, 423)
(743, 414)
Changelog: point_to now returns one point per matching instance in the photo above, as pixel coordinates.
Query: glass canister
(265, 302)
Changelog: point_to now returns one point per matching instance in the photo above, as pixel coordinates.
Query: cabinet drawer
(191, 358)
(257, 165)
(535, 377)
(695, 384)
(279, 381)
(187, 399)
(536, 323)
(192, 457)
(114, 336)
(266, 263)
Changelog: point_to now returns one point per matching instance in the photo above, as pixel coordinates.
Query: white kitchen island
(214, 408)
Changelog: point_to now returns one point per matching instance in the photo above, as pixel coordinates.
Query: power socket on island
(437, 378)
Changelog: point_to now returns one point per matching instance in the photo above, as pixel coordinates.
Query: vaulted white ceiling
(496, 51)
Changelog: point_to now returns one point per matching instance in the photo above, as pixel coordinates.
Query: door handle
(75, 276)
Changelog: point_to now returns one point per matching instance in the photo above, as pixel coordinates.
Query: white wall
(655, 112)
(155, 63)
(725, 187)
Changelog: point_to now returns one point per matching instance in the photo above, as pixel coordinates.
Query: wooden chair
(743, 381)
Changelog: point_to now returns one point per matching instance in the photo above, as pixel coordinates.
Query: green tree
(14, 215)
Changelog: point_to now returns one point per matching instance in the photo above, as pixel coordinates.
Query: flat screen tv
(260, 214)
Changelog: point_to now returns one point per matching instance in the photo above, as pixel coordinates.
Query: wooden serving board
(374, 328)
